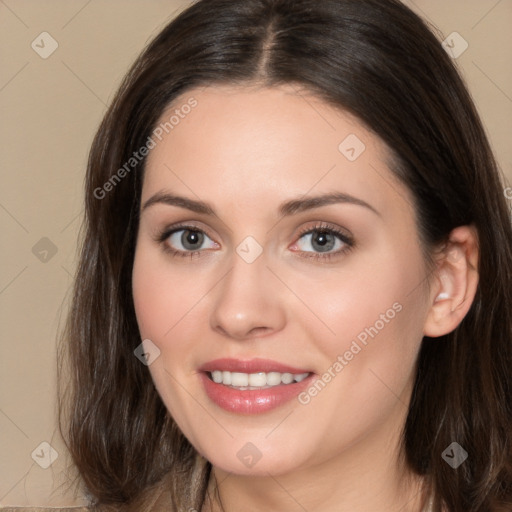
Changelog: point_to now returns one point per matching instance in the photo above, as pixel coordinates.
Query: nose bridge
(247, 299)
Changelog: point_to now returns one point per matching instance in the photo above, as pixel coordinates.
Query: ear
(455, 282)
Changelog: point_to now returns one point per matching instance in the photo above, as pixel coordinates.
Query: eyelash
(321, 227)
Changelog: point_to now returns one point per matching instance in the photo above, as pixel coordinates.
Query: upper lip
(250, 366)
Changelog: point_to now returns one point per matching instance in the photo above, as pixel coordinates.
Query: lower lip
(252, 401)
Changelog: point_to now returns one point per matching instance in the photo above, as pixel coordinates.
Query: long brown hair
(379, 61)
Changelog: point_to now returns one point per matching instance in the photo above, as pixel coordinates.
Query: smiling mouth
(259, 380)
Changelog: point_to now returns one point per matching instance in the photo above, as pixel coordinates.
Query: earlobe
(455, 283)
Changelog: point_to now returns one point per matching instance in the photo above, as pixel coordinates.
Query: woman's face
(331, 291)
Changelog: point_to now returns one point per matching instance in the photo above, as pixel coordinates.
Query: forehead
(268, 142)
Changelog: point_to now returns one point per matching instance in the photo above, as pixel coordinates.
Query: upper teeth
(255, 380)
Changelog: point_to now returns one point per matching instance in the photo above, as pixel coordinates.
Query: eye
(327, 242)
(185, 241)
(323, 238)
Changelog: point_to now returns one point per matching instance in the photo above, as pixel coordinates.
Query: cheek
(157, 294)
(375, 312)
(170, 312)
(163, 304)
(147, 296)
(363, 295)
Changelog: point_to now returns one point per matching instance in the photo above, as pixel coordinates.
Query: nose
(248, 302)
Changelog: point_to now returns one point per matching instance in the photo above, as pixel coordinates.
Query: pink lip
(252, 401)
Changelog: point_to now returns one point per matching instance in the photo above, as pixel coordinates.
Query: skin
(245, 150)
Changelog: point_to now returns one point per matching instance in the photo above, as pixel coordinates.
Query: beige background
(50, 109)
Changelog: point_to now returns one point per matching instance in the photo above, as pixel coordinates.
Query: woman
(294, 289)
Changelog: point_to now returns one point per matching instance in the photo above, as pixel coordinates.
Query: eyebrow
(287, 208)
